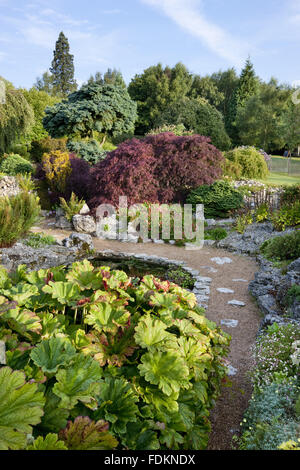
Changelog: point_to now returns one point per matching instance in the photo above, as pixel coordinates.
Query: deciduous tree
(16, 117)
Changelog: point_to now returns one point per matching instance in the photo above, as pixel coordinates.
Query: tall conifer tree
(247, 87)
(63, 67)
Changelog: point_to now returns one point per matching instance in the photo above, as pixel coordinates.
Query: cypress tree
(63, 67)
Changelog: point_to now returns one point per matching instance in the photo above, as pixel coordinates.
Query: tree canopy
(45, 83)
(155, 89)
(95, 108)
(111, 77)
(16, 117)
(205, 87)
(200, 116)
(39, 100)
(291, 126)
(260, 121)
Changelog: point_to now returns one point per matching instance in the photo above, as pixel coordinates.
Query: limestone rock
(38, 258)
(85, 210)
(9, 186)
(80, 241)
(63, 223)
(237, 303)
(224, 290)
(84, 223)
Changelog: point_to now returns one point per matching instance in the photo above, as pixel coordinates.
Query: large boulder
(38, 258)
(84, 223)
(80, 241)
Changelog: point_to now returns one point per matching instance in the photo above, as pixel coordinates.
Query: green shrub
(286, 216)
(17, 215)
(91, 151)
(181, 277)
(270, 418)
(286, 247)
(262, 213)
(290, 194)
(47, 145)
(232, 170)
(217, 234)
(251, 161)
(26, 182)
(14, 164)
(243, 221)
(21, 149)
(219, 199)
(72, 207)
(139, 361)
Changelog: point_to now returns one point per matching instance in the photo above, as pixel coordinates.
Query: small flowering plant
(276, 352)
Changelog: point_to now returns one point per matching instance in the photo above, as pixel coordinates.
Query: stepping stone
(237, 303)
(221, 261)
(231, 371)
(239, 280)
(230, 323)
(224, 290)
(210, 269)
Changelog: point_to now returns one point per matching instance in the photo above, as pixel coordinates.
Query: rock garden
(115, 335)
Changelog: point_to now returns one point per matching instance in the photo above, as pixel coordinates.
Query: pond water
(138, 268)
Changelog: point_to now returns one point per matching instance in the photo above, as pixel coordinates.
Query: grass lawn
(276, 157)
(282, 178)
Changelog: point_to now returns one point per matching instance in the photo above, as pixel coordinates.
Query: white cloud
(187, 14)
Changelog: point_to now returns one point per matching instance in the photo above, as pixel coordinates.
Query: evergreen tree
(63, 67)
(111, 77)
(247, 87)
(248, 84)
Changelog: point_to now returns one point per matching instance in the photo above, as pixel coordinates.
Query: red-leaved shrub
(157, 168)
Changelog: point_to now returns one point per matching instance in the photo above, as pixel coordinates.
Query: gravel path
(241, 322)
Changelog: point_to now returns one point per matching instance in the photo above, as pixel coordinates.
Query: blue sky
(206, 35)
